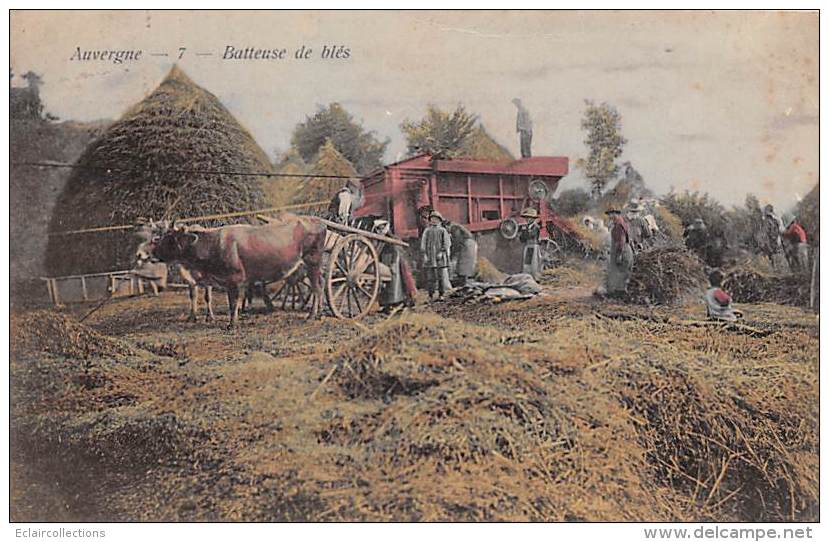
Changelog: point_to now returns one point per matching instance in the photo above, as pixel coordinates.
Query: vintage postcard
(414, 266)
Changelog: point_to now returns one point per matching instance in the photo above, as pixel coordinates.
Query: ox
(238, 256)
(149, 268)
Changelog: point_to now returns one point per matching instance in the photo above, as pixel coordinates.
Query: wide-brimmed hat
(379, 225)
(435, 214)
(613, 211)
(529, 212)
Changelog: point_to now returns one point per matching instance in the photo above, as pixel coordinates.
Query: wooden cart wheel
(295, 292)
(352, 277)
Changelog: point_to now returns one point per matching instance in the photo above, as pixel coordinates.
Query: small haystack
(158, 161)
(481, 146)
(61, 335)
(666, 276)
(487, 272)
(284, 189)
(747, 285)
(328, 161)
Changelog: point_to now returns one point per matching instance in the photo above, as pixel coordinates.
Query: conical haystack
(177, 153)
(481, 146)
(328, 161)
(283, 189)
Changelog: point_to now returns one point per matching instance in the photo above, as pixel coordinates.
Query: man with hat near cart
(529, 235)
(620, 262)
(435, 245)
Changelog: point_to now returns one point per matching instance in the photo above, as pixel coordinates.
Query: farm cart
(351, 272)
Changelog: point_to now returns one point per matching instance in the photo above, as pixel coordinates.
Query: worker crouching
(435, 246)
(718, 301)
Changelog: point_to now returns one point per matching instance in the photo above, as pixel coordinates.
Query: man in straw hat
(620, 262)
(435, 245)
(529, 234)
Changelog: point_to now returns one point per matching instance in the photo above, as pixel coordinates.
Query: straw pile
(142, 167)
(563, 436)
(60, 334)
(556, 411)
(666, 276)
(487, 272)
(748, 285)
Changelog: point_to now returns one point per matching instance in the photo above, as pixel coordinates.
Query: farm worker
(717, 300)
(524, 128)
(529, 234)
(401, 288)
(620, 262)
(696, 235)
(436, 247)
(464, 251)
(345, 202)
(637, 226)
(769, 234)
(794, 244)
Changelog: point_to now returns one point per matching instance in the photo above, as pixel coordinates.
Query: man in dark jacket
(436, 249)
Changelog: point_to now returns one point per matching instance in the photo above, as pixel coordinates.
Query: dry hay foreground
(568, 410)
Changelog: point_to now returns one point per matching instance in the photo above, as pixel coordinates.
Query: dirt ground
(563, 407)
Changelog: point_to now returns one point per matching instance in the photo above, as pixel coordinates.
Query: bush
(572, 202)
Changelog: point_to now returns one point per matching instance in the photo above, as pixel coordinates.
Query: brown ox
(147, 267)
(237, 256)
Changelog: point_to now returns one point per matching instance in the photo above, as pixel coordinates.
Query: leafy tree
(358, 146)
(441, 134)
(604, 141)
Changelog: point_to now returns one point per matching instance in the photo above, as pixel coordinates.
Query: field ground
(559, 408)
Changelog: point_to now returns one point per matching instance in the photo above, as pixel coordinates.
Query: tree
(441, 134)
(358, 146)
(604, 141)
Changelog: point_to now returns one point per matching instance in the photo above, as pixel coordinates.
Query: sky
(720, 102)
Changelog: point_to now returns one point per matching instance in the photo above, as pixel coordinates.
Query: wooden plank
(89, 275)
(348, 229)
(55, 291)
(51, 293)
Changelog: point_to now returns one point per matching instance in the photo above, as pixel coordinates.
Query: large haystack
(159, 160)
